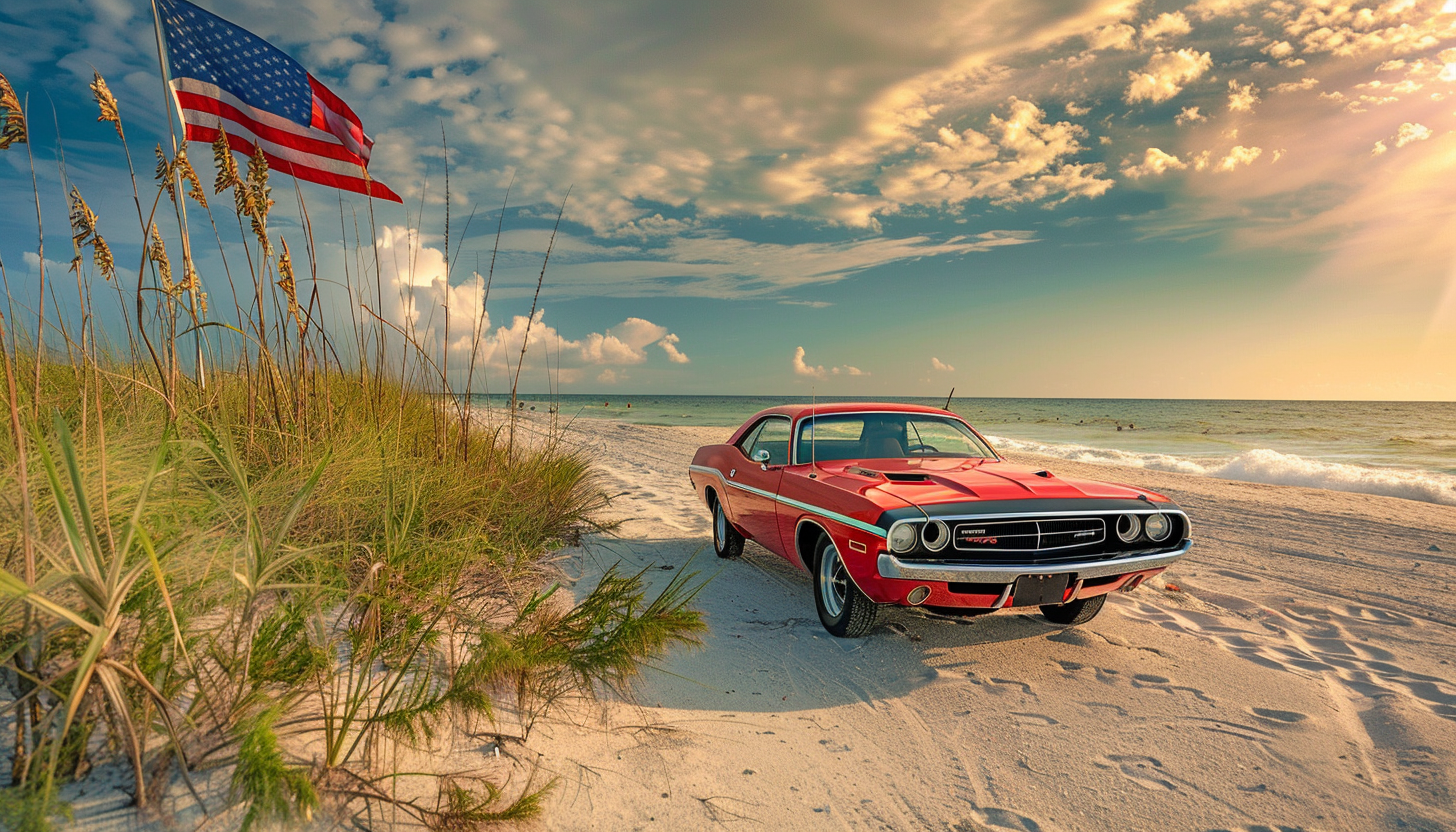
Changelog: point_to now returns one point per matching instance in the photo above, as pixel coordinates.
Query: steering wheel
(922, 448)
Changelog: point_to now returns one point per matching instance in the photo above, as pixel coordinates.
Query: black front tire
(1075, 612)
(843, 610)
(727, 542)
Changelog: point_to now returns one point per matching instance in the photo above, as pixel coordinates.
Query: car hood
(932, 481)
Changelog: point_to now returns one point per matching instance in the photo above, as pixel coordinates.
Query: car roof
(795, 411)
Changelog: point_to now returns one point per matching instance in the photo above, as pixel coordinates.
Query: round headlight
(902, 538)
(934, 535)
(1158, 526)
(1128, 527)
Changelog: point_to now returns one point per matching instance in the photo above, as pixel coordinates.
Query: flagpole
(179, 202)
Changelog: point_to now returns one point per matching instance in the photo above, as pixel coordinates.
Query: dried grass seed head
(222, 159)
(189, 174)
(287, 283)
(164, 173)
(107, 102)
(157, 253)
(12, 126)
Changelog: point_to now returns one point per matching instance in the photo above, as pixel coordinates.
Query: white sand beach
(1293, 672)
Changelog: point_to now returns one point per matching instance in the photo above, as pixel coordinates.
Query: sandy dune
(1299, 676)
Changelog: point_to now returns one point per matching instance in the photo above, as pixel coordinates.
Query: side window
(772, 436)
(746, 443)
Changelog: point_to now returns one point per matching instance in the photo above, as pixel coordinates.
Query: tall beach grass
(235, 540)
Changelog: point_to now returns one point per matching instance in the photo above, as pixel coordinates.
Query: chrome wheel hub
(833, 582)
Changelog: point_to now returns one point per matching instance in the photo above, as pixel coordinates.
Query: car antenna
(947, 399)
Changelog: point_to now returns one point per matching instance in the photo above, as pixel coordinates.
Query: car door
(756, 484)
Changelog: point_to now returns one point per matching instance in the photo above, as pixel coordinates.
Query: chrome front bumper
(1003, 573)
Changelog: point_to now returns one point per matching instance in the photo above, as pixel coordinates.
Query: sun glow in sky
(1222, 198)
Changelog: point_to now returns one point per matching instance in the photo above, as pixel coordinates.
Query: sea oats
(107, 102)
(83, 219)
(101, 253)
(287, 283)
(12, 127)
(157, 253)
(164, 173)
(257, 203)
(190, 281)
(189, 174)
(222, 159)
(83, 233)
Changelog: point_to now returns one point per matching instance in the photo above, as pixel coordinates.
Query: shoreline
(1294, 669)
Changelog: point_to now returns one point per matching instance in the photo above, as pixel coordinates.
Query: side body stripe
(831, 515)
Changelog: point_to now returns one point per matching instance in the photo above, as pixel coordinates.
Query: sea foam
(1265, 466)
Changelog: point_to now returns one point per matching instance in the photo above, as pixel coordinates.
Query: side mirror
(760, 456)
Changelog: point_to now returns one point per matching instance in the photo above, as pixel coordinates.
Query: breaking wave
(1264, 466)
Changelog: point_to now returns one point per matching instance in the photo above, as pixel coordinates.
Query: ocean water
(1399, 449)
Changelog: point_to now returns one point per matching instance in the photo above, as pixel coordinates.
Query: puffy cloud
(1278, 50)
(1378, 149)
(609, 376)
(1295, 86)
(1168, 24)
(1239, 155)
(803, 369)
(937, 364)
(1155, 163)
(669, 344)
(1113, 36)
(1022, 159)
(1242, 97)
(448, 321)
(1189, 115)
(1165, 75)
(1412, 132)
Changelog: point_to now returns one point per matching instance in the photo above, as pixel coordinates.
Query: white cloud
(1295, 86)
(1113, 36)
(1242, 97)
(1155, 163)
(443, 320)
(1189, 115)
(1076, 111)
(609, 376)
(1239, 155)
(937, 364)
(802, 369)
(1165, 75)
(669, 345)
(1412, 132)
(1168, 24)
(1378, 149)
(1021, 160)
(1278, 50)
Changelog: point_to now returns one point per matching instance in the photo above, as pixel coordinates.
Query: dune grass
(215, 556)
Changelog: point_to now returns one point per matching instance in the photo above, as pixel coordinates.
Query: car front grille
(1029, 536)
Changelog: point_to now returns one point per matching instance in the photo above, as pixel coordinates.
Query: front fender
(858, 549)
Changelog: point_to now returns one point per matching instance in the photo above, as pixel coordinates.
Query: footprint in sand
(1033, 720)
(1282, 717)
(1144, 771)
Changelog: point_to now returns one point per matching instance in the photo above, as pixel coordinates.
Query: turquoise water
(1403, 449)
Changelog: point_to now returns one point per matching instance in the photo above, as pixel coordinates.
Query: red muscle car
(909, 505)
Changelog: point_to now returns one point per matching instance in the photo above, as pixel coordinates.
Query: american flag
(223, 75)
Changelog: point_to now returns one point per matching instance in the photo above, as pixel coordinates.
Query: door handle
(732, 472)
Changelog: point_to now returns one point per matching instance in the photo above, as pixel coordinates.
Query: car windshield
(841, 436)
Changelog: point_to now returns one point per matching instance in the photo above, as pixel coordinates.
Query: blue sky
(1220, 199)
